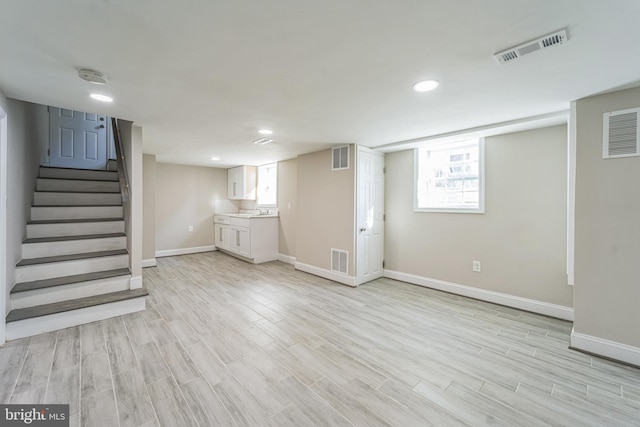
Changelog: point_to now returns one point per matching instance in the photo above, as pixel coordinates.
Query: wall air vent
(620, 134)
(340, 158)
(544, 42)
(339, 261)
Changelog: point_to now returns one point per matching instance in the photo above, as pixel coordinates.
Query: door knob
(101, 126)
(363, 229)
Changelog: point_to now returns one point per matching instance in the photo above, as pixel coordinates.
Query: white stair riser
(29, 273)
(75, 199)
(44, 184)
(68, 292)
(74, 229)
(69, 247)
(94, 175)
(75, 212)
(53, 322)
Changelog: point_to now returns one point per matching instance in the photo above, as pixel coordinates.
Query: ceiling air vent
(339, 261)
(544, 42)
(340, 158)
(620, 134)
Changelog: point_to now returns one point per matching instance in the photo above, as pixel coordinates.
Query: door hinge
(384, 217)
(382, 263)
(384, 170)
(48, 151)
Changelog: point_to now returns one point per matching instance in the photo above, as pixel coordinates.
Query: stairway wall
(23, 160)
(132, 143)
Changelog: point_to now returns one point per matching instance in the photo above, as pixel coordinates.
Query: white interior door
(369, 215)
(77, 140)
(4, 280)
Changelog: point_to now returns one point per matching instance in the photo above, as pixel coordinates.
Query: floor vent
(339, 261)
(340, 158)
(544, 42)
(620, 134)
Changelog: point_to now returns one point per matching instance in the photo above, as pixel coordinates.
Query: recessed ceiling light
(101, 98)
(262, 141)
(265, 132)
(426, 85)
(92, 76)
(214, 158)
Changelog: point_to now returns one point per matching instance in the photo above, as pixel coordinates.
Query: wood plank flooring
(226, 343)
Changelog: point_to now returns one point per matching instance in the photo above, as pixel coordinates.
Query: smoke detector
(92, 76)
(543, 42)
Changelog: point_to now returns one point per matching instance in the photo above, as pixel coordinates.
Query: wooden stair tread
(72, 221)
(74, 206)
(68, 238)
(67, 280)
(71, 257)
(77, 191)
(63, 306)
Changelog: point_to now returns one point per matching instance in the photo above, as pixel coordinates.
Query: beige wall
(23, 160)
(288, 205)
(325, 210)
(186, 195)
(149, 207)
(520, 240)
(607, 244)
(131, 137)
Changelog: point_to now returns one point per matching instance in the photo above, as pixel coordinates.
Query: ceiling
(201, 77)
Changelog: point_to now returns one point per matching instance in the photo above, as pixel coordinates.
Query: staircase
(75, 265)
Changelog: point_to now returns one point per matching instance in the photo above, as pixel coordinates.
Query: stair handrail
(123, 177)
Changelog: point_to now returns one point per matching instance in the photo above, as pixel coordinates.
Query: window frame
(266, 205)
(481, 177)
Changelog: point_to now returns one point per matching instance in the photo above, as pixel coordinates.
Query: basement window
(267, 194)
(450, 177)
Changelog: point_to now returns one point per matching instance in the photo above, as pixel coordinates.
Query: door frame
(361, 149)
(3, 223)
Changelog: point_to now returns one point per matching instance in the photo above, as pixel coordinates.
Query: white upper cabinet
(242, 183)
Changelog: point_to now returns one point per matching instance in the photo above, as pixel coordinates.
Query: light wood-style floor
(225, 343)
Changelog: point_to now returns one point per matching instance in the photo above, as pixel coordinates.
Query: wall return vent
(340, 158)
(620, 136)
(339, 261)
(544, 42)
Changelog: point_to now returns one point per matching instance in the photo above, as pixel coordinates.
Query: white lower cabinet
(252, 239)
(241, 240)
(222, 236)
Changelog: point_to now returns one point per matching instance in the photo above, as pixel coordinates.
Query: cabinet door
(241, 241)
(222, 236)
(235, 187)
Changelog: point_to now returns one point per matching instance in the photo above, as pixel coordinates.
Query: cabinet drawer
(221, 219)
(240, 222)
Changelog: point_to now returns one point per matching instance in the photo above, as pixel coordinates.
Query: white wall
(520, 240)
(3, 216)
(23, 160)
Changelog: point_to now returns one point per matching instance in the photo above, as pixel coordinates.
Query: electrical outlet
(477, 266)
(191, 229)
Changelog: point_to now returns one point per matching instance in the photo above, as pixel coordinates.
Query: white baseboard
(606, 348)
(534, 306)
(185, 251)
(287, 258)
(149, 263)
(135, 282)
(327, 274)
